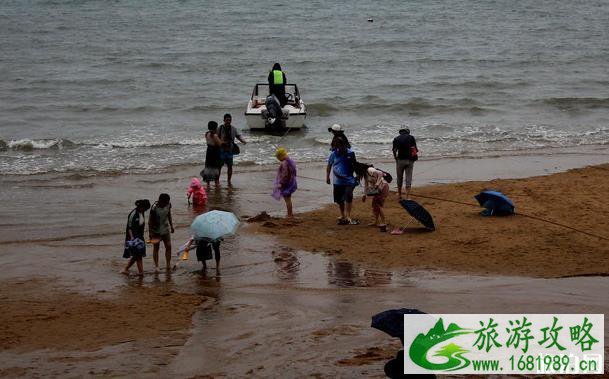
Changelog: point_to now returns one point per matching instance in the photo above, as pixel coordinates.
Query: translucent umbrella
(214, 224)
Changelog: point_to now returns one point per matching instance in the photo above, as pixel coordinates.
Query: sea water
(107, 87)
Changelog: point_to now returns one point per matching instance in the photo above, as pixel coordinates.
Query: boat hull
(255, 121)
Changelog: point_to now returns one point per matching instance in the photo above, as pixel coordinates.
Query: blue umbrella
(419, 213)
(214, 224)
(495, 203)
(392, 321)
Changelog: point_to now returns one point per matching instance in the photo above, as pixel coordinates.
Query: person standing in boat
(277, 81)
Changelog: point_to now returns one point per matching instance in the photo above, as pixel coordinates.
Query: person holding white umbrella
(208, 232)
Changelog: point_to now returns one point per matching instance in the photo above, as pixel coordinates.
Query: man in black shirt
(405, 154)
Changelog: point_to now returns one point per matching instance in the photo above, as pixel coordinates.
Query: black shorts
(343, 193)
(204, 250)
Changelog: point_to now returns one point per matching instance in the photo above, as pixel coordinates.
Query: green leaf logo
(453, 353)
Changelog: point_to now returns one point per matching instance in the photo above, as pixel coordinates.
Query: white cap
(336, 128)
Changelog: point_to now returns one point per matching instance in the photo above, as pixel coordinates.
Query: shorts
(226, 157)
(165, 238)
(343, 193)
(204, 250)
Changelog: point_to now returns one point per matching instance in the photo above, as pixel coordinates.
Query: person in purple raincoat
(285, 183)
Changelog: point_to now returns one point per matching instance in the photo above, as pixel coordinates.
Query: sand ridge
(464, 240)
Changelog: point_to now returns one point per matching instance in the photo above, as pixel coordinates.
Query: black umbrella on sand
(392, 322)
(419, 213)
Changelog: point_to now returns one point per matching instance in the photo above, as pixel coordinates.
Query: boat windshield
(261, 91)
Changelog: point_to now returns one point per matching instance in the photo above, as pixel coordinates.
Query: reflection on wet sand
(346, 274)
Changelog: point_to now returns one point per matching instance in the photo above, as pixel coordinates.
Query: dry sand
(467, 242)
(38, 314)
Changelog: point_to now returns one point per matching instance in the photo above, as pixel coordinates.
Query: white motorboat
(259, 116)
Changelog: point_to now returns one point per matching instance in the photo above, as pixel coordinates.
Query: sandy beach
(285, 303)
(529, 243)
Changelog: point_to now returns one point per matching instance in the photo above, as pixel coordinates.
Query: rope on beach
(562, 225)
(520, 214)
(517, 213)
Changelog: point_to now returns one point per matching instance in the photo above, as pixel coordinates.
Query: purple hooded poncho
(285, 183)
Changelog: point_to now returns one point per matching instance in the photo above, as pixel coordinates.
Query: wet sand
(274, 310)
(464, 241)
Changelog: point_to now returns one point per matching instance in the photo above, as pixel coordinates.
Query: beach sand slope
(464, 240)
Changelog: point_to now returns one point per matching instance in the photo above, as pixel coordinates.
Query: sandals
(397, 231)
(346, 221)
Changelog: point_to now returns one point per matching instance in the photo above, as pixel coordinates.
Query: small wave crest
(36, 144)
(577, 103)
(321, 109)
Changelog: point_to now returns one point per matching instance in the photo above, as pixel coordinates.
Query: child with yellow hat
(285, 182)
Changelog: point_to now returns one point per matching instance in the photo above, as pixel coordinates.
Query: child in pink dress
(197, 192)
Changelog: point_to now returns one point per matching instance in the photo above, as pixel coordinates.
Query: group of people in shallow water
(343, 171)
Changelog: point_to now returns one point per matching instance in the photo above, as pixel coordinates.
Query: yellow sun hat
(281, 153)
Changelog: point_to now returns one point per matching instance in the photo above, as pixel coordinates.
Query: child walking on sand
(285, 183)
(197, 192)
(160, 226)
(375, 186)
(135, 247)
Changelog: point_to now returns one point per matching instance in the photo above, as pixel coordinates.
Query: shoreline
(249, 166)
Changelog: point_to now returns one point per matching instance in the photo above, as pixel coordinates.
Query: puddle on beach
(276, 311)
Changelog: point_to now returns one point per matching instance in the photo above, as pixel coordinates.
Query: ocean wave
(149, 144)
(577, 103)
(36, 144)
(372, 103)
(321, 109)
(83, 108)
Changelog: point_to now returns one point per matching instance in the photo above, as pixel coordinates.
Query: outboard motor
(274, 114)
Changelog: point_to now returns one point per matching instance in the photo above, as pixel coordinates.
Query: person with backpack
(228, 148)
(135, 247)
(340, 163)
(375, 185)
(405, 153)
(160, 226)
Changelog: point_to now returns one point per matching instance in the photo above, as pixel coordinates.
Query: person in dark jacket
(277, 82)
(136, 223)
(405, 154)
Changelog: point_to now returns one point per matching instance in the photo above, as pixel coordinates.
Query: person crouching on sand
(285, 183)
(375, 186)
(197, 192)
(161, 226)
(136, 223)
